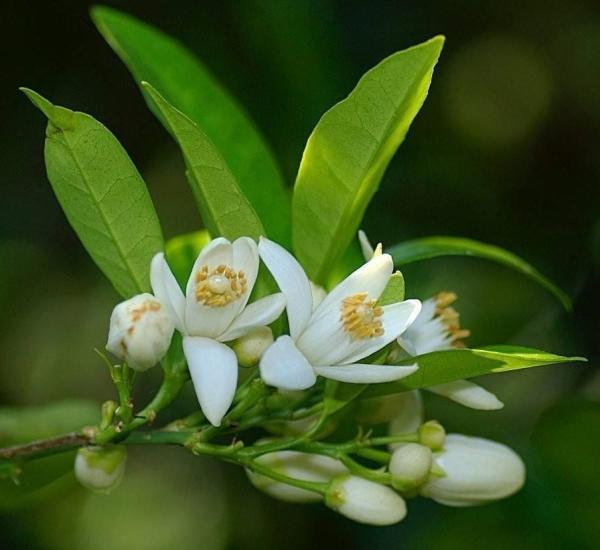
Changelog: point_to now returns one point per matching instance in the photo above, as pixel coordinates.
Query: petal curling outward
(260, 313)
(365, 374)
(214, 371)
(284, 367)
(166, 288)
(292, 281)
(468, 394)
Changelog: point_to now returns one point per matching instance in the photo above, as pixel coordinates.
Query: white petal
(245, 258)
(214, 371)
(201, 320)
(318, 294)
(326, 342)
(365, 245)
(284, 367)
(166, 288)
(468, 394)
(371, 278)
(260, 313)
(366, 374)
(292, 281)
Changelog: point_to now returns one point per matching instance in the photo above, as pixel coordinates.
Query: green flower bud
(250, 347)
(432, 435)
(101, 469)
(410, 465)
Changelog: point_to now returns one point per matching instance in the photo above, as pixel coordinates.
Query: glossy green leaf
(224, 208)
(394, 290)
(440, 367)
(102, 194)
(348, 152)
(433, 247)
(186, 84)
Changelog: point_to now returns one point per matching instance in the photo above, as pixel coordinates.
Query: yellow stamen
(451, 318)
(360, 317)
(219, 286)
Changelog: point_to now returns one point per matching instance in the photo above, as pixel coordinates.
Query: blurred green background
(505, 151)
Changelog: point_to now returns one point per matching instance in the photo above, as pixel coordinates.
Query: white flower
(346, 326)
(365, 501)
(437, 328)
(476, 471)
(101, 469)
(140, 331)
(304, 466)
(213, 311)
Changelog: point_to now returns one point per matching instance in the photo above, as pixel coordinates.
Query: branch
(45, 447)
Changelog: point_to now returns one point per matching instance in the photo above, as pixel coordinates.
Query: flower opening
(220, 286)
(360, 317)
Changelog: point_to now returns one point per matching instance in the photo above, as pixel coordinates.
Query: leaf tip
(39, 101)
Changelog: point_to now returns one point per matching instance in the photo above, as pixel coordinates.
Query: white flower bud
(250, 347)
(403, 410)
(432, 435)
(477, 471)
(101, 469)
(365, 501)
(304, 466)
(140, 331)
(410, 465)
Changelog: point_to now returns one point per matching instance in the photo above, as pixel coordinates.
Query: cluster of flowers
(329, 335)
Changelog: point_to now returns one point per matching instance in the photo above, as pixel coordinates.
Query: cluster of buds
(453, 469)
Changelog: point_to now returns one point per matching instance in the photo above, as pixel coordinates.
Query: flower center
(360, 316)
(450, 318)
(220, 286)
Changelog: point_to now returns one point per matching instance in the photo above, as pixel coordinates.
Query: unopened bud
(475, 471)
(304, 466)
(365, 501)
(250, 347)
(410, 465)
(101, 469)
(432, 435)
(140, 331)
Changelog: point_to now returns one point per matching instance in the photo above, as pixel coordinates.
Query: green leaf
(186, 84)
(224, 208)
(433, 247)
(440, 367)
(102, 194)
(348, 152)
(394, 290)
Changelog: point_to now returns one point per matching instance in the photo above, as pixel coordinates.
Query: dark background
(505, 150)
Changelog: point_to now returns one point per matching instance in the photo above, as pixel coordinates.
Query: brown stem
(43, 447)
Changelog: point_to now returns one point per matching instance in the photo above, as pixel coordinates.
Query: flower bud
(410, 465)
(101, 469)
(432, 435)
(250, 347)
(140, 331)
(476, 471)
(365, 501)
(304, 466)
